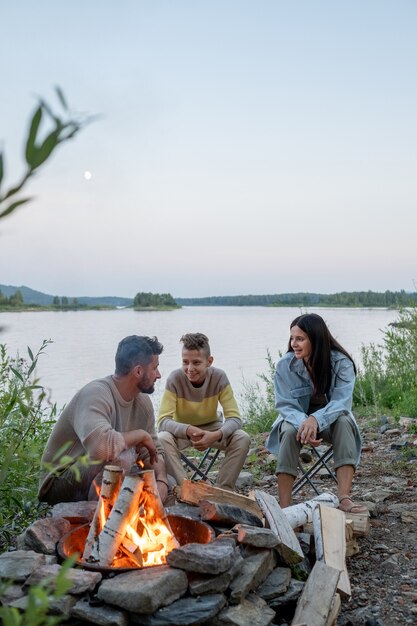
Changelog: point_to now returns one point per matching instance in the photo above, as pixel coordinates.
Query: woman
(313, 390)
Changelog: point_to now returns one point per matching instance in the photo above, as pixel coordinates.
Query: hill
(31, 296)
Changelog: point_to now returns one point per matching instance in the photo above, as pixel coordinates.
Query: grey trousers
(235, 446)
(341, 434)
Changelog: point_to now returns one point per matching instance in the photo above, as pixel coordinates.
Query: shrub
(258, 401)
(25, 423)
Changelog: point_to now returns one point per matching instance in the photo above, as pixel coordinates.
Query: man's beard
(148, 390)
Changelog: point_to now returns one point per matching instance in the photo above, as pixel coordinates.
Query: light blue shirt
(294, 389)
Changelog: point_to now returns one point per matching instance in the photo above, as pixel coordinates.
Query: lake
(84, 342)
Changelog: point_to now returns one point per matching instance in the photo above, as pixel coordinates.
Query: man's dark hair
(135, 350)
(196, 341)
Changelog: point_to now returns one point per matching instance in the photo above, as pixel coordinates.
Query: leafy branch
(39, 148)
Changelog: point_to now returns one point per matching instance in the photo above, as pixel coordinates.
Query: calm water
(84, 343)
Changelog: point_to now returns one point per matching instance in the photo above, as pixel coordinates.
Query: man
(103, 422)
(188, 414)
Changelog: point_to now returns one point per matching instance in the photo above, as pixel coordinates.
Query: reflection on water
(85, 341)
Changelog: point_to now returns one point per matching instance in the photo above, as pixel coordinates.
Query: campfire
(130, 527)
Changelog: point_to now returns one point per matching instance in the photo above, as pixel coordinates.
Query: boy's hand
(203, 439)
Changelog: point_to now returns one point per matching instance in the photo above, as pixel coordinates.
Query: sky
(241, 147)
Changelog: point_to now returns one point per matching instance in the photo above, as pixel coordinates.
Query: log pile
(267, 565)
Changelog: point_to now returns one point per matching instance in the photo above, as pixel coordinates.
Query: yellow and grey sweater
(183, 404)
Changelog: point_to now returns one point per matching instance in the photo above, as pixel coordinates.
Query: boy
(188, 414)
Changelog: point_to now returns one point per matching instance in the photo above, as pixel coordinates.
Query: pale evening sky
(244, 146)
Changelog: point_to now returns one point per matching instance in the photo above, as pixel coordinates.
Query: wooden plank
(361, 523)
(193, 492)
(330, 540)
(317, 599)
(289, 548)
(334, 611)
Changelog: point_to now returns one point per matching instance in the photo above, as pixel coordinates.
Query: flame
(151, 535)
(102, 512)
(140, 463)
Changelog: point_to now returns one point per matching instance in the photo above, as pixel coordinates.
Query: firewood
(193, 492)
(361, 523)
(330, 542)
(227, 514)
(110, 486)
(300, 514)
(289, 548)
(316, 602)
(109, 540)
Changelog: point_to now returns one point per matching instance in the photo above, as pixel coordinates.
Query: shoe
(350, 506)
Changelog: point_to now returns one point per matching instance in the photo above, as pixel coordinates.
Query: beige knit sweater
(92, 424)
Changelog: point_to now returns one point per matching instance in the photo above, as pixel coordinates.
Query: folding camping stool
(322, 460)
(202, 468)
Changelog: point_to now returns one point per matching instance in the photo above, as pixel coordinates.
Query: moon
(88, 175)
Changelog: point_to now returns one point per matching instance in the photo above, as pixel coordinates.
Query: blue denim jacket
(294, 389)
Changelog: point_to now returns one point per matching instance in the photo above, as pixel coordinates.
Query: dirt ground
(383, 575)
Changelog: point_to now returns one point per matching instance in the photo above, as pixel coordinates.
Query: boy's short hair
(196, 341)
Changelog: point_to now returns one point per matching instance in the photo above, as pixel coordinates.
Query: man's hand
(307, 433)
(203, 439)
(140, 438)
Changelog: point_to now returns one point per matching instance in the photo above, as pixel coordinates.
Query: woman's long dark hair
(322, 343)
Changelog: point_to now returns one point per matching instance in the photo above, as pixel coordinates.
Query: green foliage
(388, 379)
(144, 300)
(25, 424)
(258, 401)
(40, 598)
(393, 299)
(39, 148)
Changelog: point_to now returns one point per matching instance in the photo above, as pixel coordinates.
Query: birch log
(302, 513)
(110, 486)
(108, 541)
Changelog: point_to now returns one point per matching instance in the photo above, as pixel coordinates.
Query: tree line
(393, 299)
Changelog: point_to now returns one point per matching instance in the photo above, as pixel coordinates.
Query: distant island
(23, 299)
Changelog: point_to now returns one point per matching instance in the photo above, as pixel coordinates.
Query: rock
(146, 590)
(252, 611)
(81, 580)
(275, 584)
(59, 606)
(393, 432)
(204, 583)
(12, 593)
(101, 615)
(20, 564)
(207, 558)
(306, 456)
(254, 571)
(258, 537)
(184, 612)
(244, 480)
(184, 510)
(409, 517)
(294, 591)
(82, 511)
(44, 534)
(379, 494)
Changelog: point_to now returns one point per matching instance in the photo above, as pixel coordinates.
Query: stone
(409, 517)
(20, 564)
(44, 534)
(294, 591)
(146, 590)
(306, 456)
(203, 583)
(184, 612)
(252, 611)
(207, 558)
(58, 606)
(82, 511)
(258, 537)
(244, 480)
(393, 432)
(276, 584)
(81, 580)
(12, 593)
(102, 615)
(184, 510)
(377, 495)
(254, 571)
